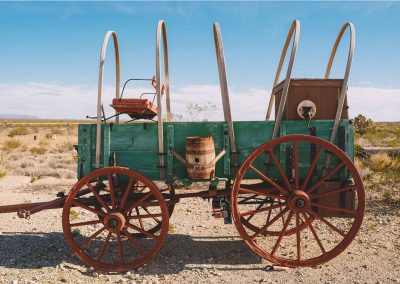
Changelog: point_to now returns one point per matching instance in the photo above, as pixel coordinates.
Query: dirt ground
(200, 250)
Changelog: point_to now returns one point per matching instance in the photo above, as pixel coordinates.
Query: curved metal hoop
(100, 87)
(294, 31)
(161, 30)
(343, 92)
(219, 48)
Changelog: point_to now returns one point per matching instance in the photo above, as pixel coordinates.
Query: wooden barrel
(200, 152)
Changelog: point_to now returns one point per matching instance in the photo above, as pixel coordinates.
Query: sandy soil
(200, 250)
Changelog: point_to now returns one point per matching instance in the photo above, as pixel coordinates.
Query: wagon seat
(137, 108)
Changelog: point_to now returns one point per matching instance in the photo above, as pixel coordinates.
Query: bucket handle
(343, 91)
(100, 88)
(293, 32)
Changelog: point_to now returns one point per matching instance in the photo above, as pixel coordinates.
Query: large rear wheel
(305, 208)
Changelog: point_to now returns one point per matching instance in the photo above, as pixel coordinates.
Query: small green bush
(19, 130)
(38, 150)
(11, 144)
(362, 125)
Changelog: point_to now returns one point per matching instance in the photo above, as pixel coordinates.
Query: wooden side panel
(324, 93)
(136, 146)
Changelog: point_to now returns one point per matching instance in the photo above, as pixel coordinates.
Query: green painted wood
(136, 144)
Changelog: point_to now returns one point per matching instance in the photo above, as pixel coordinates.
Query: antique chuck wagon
(289, 184)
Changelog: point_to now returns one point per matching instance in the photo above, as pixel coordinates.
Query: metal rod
(343, 91)
(294, 29)
(161, 30)
(219, 48)
(100, 89)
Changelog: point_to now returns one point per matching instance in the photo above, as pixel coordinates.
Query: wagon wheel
(170, 191)
(98, 227)
(302, 209)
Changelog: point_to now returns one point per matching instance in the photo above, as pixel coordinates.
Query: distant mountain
(18, 116)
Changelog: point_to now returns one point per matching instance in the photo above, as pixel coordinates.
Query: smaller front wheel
(298, 200)
(109, 219)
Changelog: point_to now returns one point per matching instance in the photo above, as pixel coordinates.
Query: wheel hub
(299, 201)
(114, 221)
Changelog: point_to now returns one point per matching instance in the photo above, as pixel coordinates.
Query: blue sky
(56, 46)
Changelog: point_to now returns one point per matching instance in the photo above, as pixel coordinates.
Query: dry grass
(381, 175)
(18, 130)
(380, 161)
(11, 144)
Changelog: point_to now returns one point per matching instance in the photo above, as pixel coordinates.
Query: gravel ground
(200, 250)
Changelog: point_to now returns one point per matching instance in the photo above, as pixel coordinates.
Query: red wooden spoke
(126, 193)
(88, 239)
(94, 256)
(325, 177)
(314, 233)
(312, 166)
(112, 191)
(140, 201)
(84, 206)
(252, 212)
(331, 192)
(280, 169)
(120, 250)
(282, 233)
(98, 197)
(329, 224)
(104, 246)
(305, 218)
(258, 207)
(140, 219)
(151, 204)
(153, 216)
(133, 241)
(296, 166)
(93, 222)
(333, 208)
(259, 192)
(298, 235)
(270, 181)
(142, 231)
(283, 219)
(273, 220)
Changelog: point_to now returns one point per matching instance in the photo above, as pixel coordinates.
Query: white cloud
(58, 100)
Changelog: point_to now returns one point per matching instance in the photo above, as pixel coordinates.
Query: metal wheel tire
(314, 237)
(97, 226)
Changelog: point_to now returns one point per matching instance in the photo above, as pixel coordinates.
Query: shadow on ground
(38, 250)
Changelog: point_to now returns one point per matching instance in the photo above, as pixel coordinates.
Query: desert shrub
(48, 135)
(65, 147)
(57, 131)
(43, 143)
(3, 173)
(18, 130)
(37, 150)
(380, 161)
(359, 151)
(11, 144)
(362, 125)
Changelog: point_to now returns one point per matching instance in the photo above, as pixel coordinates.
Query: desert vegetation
(38, 149)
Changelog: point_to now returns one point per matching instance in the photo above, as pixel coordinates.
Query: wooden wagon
(289, 185)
